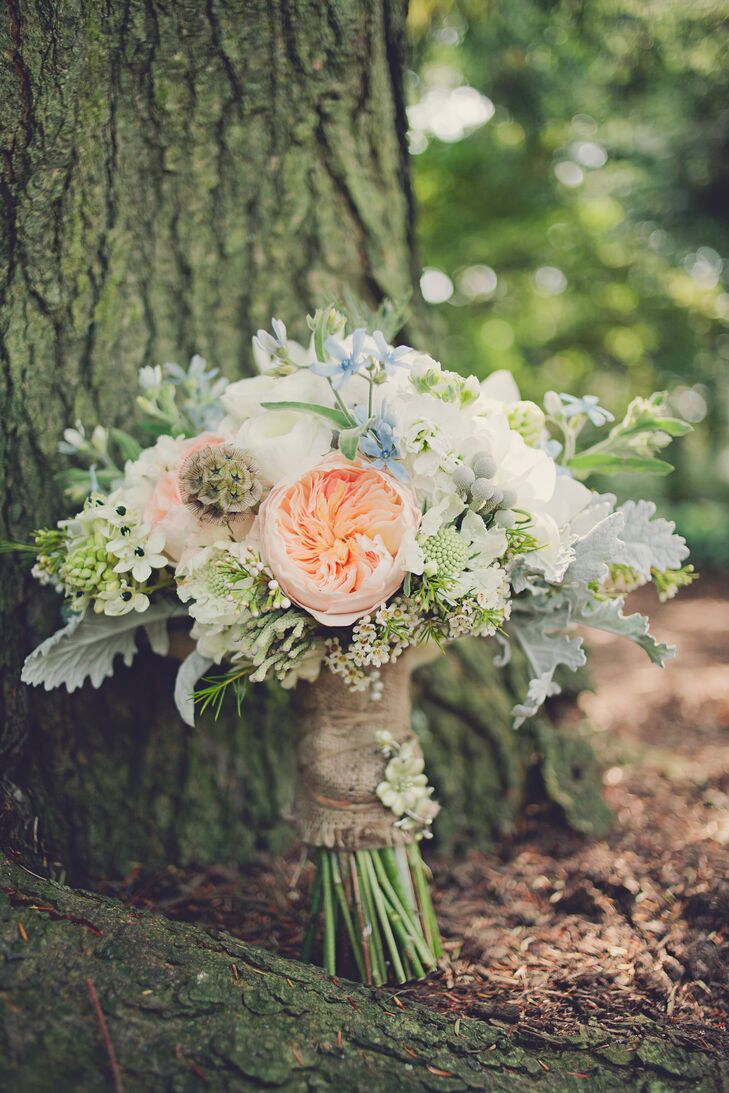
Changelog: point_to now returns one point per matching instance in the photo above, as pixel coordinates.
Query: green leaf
(9, 547)
(673, 426)
(337, 417)
(321, 324)
(127, 445)
(349, 441)
(613, 463)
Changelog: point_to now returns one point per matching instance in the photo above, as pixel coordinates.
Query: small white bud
(484, 466)
(463, 476)
(505, 518)
(553, 403)
(482, 490)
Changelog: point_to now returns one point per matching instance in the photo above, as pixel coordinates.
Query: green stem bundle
(376, 914)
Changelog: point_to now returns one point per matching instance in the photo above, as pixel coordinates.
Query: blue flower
(589, 406)
(268, 344)
(346, 361)
(387, 355)
(378, 442)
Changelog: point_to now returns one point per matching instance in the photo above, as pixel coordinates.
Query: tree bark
(173, 175)
(187, 1009)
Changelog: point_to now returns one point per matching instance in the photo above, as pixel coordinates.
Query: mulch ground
(553, 930)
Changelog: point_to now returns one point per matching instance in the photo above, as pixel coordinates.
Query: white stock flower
(142, 475)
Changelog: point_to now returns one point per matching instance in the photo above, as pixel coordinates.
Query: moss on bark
(188, 1008)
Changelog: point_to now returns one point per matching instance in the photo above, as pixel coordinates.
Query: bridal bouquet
(326, 524)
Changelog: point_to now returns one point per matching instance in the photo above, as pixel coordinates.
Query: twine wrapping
(339, 764)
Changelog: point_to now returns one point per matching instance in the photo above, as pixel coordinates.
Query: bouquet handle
(370, 888)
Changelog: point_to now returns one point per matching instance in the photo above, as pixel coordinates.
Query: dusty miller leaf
(601, 545)
(649, 541)
(86, 649)
(193, 666)
(540, 689)
(158, 636)
(547, 645)
(608, 615)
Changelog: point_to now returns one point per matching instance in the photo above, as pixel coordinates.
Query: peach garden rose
(335, 538)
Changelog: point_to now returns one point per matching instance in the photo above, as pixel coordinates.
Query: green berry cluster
(89, 568)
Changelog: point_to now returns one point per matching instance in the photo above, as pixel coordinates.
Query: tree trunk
(173, 175)
(189, 1009)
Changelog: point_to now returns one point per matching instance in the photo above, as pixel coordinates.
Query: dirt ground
(553, 930)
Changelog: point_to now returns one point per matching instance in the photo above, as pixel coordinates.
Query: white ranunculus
(243, 399)
(284, 442)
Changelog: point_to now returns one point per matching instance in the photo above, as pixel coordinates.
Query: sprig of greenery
(214, 694)
(631, 445)
(670, 581)
(389, 317)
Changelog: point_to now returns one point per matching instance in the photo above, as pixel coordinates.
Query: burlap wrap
(340, 765)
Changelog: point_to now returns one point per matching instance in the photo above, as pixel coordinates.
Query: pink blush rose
(335, 538)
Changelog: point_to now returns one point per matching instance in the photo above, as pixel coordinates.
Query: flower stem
(430, 926)
(384, 919)
(379, 970)
(382, 899)
(340, 402)
(364, 933)
(313, 918)
(330, 935)
(344, 909)
(403, 915)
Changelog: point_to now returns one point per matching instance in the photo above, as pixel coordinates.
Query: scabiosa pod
(220, 482)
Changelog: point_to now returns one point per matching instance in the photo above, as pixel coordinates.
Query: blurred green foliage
(571, 170)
